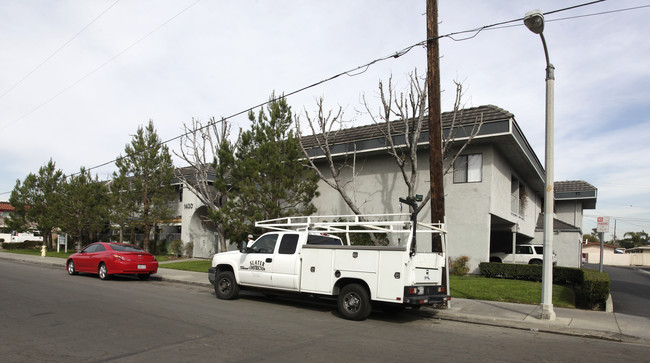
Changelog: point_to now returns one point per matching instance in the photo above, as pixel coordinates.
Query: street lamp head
(534, 21)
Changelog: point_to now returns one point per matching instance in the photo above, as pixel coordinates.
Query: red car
(106, 259)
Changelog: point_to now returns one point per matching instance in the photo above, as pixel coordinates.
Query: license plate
(142, 267)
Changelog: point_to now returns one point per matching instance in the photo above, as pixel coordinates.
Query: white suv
(524, 254)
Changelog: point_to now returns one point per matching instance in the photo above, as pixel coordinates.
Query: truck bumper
(425, 295)
(212, 274)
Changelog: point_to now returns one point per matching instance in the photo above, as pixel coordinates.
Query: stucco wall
(192, 229)
(569, 211)
(592, 253)
(467, 207)
(567, 245)
(501, 183)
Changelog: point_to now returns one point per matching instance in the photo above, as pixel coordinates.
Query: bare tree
(403, 116)
(401, 120)
(199, 148)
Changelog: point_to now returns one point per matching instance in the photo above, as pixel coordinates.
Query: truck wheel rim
(351, 302)
(224, 285)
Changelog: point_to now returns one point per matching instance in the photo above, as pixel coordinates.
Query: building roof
(598, 245)
(573, 186)
(5, 206)
(576, 190)
(499, 129)
(558, 225)
(465, 117)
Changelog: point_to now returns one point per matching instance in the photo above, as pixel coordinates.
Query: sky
(77, 78)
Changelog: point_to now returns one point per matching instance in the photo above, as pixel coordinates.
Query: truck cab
(273, 259)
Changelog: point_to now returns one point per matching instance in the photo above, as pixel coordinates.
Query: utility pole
(435, 116)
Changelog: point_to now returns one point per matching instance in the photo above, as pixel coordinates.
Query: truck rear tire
(354, 302)
(225, 286)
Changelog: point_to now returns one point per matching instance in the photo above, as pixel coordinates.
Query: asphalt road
(46, 315)
(630, 288)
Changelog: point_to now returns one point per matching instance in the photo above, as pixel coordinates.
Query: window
(125, 248)
(315, 239)
(539, 250)
(468, 168)
(514, 195)
(265, 244)
(94, 248)
(517, 197)
(524, 250)
(288, 244)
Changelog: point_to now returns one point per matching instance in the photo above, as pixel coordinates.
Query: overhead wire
(59, 49)
(350, 73)
(73, 84)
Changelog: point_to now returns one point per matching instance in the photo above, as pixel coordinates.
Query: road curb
(532, 327)
(179, 281)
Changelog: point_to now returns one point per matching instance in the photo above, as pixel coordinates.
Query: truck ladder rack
(363, 223)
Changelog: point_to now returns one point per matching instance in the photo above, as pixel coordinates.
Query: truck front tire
(225, 286)
(354, 302)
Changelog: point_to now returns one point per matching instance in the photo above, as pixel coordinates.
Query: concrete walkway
(593, 324)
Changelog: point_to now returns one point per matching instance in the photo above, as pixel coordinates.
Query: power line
(59, 49)
(359, 70)
(99, 67)
(627, 219)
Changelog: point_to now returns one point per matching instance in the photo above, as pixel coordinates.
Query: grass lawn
(38, 252)
(516, 291)
(163, 258)
(194, 265)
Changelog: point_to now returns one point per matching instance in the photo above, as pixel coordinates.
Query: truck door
(285, 263)
(256, 265)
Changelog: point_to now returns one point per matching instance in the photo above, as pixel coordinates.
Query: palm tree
(638, 238)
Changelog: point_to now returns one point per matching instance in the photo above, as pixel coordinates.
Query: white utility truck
(25, 236)
(308, 255)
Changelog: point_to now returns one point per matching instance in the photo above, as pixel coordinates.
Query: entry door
(256, 265)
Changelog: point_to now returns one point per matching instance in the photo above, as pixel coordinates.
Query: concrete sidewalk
(575, 322)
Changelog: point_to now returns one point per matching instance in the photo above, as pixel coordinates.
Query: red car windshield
(126, 248)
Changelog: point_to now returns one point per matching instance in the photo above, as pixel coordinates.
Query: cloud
(146, 60)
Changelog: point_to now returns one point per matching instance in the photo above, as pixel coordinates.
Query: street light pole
(534, 20)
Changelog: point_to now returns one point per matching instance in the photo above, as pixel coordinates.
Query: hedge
(22, 245)
(591, 287)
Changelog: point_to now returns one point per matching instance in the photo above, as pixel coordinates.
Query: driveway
(630, 288)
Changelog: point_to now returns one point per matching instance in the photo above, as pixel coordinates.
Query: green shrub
(459, 267)
(567, 275)
(511, 271)
(161, 248)
(594, 290)
(176, 247)
(27, 245)
(189, 249)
